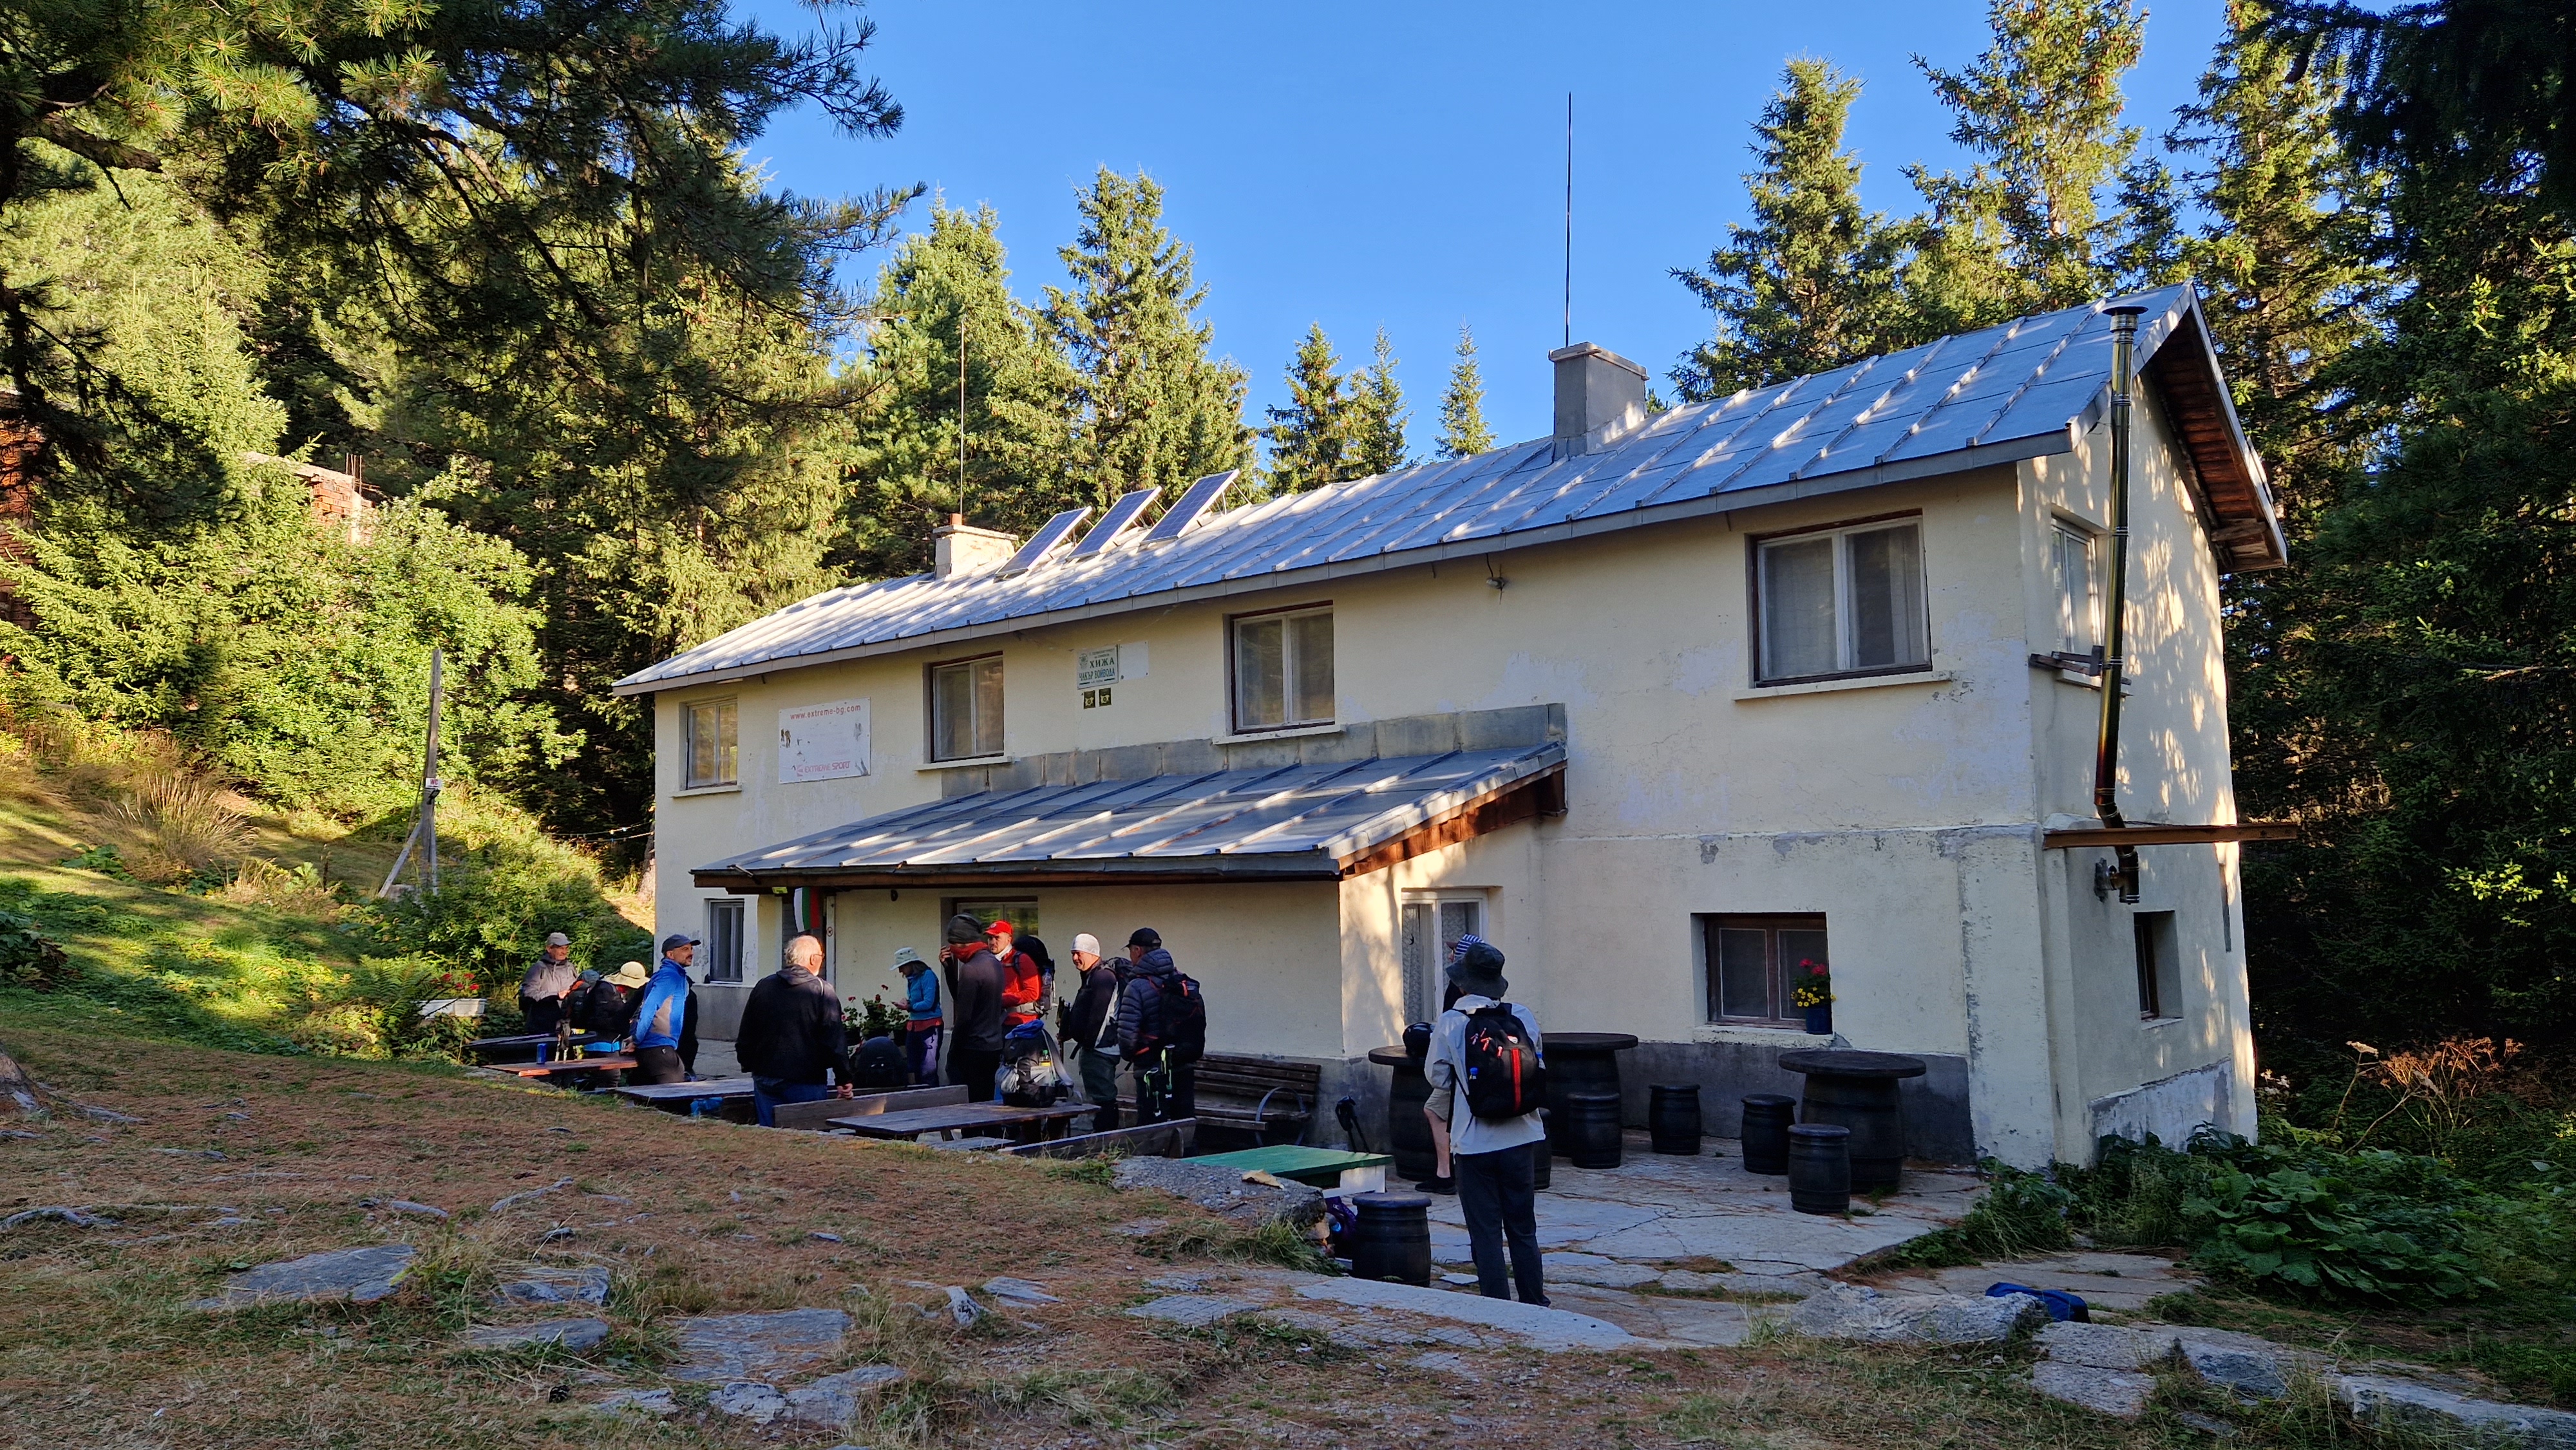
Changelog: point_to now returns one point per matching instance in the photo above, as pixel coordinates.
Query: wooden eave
(2158, 834)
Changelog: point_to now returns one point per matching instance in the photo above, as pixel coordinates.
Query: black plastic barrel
(1408, 1133)
(1820, 1168)
(1392, 1239)
(1591, 1134)
(1672, 1117)
(1542, 1157)
(1767, 1117)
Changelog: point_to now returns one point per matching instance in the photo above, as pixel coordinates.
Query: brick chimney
(958, 547)
(1598, 393)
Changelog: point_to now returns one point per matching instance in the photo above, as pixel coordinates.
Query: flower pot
(1820, 1020)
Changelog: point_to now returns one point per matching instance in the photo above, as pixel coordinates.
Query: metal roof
(1286, 823)
(2020, 390)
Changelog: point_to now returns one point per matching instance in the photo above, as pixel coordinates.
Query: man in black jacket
(975, 1007)
(1091, 1027)
(791, 1039)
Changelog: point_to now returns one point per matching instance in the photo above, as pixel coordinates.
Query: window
(720, 955)
(966, 709)
(1020, 911)
(1432, 926)
(1843, 602)
(715, 751)
(2079, 594)
(1753, 962)
(2159, 966)
(1283, 669)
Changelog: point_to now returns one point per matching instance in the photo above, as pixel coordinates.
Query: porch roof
(1306, 822)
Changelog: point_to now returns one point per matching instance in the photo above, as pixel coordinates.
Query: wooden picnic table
(676, 1096)
(566, 1068)
(971, 1118)
(1325, 1168)
(535, 1044)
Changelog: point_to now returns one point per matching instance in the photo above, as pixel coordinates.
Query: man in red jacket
(1023, 985)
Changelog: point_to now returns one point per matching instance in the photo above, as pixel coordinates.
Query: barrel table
(1408, 1133)
(1579, 1062)
(1857, 1090)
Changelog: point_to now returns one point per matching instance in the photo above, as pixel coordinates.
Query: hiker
(1045, 960)
(550, 979)
(608, 1008)
(1485, 1057)
(664, 1015)
(1091, 1026)
(975, 984)
(921, 1027)
(1023, 986)
(1436, 1108)
(791, 1040)
(1155, 1033)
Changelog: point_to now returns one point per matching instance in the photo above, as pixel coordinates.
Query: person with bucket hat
(922, 1022)
(662, 1018)
(608, 1007)
(1437, 1106)
(549, 981)
(1484, 1055)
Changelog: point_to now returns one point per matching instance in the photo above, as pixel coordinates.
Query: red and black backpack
(1506, 1075)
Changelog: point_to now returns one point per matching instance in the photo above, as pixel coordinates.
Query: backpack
(1184, 1034)
(1505, 1075)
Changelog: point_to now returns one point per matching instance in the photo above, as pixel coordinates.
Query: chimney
(958, 547)
(1597, 392)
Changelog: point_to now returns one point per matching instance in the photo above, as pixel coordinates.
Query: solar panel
(1203, 495)
(1121, 517)
(1047, 540)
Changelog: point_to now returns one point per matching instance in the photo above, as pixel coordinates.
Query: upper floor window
(1283, 669)
(1753, 964)
(966, 709)
(715, 751)
(2078, 588)
(1841, 602)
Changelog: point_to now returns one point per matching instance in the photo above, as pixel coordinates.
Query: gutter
(2106, 752)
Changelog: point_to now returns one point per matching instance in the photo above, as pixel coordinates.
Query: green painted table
(1326, 1168)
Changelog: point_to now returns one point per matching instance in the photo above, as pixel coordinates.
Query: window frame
(713, 970)
(2061, 527)
(1287, 668)
(2156, 949)
(1778, 988)
(1840, 533)
(1422, 978)
(1020, 911)
(930, 709)
(727, 753)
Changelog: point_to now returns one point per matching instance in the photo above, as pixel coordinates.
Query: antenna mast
(961, 409)
(1569, 219)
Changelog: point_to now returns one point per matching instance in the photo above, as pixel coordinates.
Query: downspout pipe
(2106, 754)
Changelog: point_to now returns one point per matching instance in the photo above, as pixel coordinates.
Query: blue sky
(1402, 164)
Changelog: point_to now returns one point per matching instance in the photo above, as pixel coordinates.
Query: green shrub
(28, 957)
(2317, 1236)
(496, 905)
(2021, 1213)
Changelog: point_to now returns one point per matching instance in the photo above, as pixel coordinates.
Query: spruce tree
(1377, 414)
(1809, 284)
(2026, 230)
(1463, 433)
(1311, 438)
(1150, 407)
(903, 466)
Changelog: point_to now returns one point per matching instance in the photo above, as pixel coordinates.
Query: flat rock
(1845, 1311)
(833, 1401)
(962, 1307)
(1532, 1324)
(543, 1284)
(2108, 1346)
(2259, 1373)
(1195, 1311)
(405, 1207)
(1582, 1268)
(1018, 1291)
(2381, 1400)
(56, 1213)
(749, 1400)
(725, 1347)
(580, 1336)
(1693, 1281)
(2122, 1394)
(1445, 1362)
(504, 1205)
(359, 1276)
(657, 1404)
(1224, 1191)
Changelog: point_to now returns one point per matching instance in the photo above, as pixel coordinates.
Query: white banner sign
(823, 742)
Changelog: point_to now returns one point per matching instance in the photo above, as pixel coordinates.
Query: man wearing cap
(1490, 1156)
(1023, 987)
(550, 979)
(975, 1058)
(791, 1040)
(663, 1016)
(1164, 1089)
(921, 1025)
(1092, 1027)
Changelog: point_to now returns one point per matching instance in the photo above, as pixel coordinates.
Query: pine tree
(1311, 438)
(1378, 418)
(1150, 408)
(2025, 230)
(904, 464)
(1463, 433)
(1808, 285)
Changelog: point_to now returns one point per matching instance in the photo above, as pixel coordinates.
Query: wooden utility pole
(424, 826)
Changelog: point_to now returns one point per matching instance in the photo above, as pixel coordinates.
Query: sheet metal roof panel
(1323, 812)
(2020, 387)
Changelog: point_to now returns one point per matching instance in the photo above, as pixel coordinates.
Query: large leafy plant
(2319, 1235)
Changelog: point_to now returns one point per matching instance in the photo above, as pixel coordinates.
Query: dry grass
(183, 823)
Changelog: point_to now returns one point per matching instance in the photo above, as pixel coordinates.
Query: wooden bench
(1173, 1139)
(1264, 1098)
(816, 1117)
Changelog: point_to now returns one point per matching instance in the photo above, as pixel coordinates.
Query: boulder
(1847, 1311)
(2403, 1404)
(1225, 1191)
(2121, 1394)
(719, 1348)
(359, 1276)
(580, 1336)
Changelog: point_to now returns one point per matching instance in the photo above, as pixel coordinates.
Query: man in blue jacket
(662, 1018)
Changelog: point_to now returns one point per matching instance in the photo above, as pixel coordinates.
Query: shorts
(1443, 1102)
